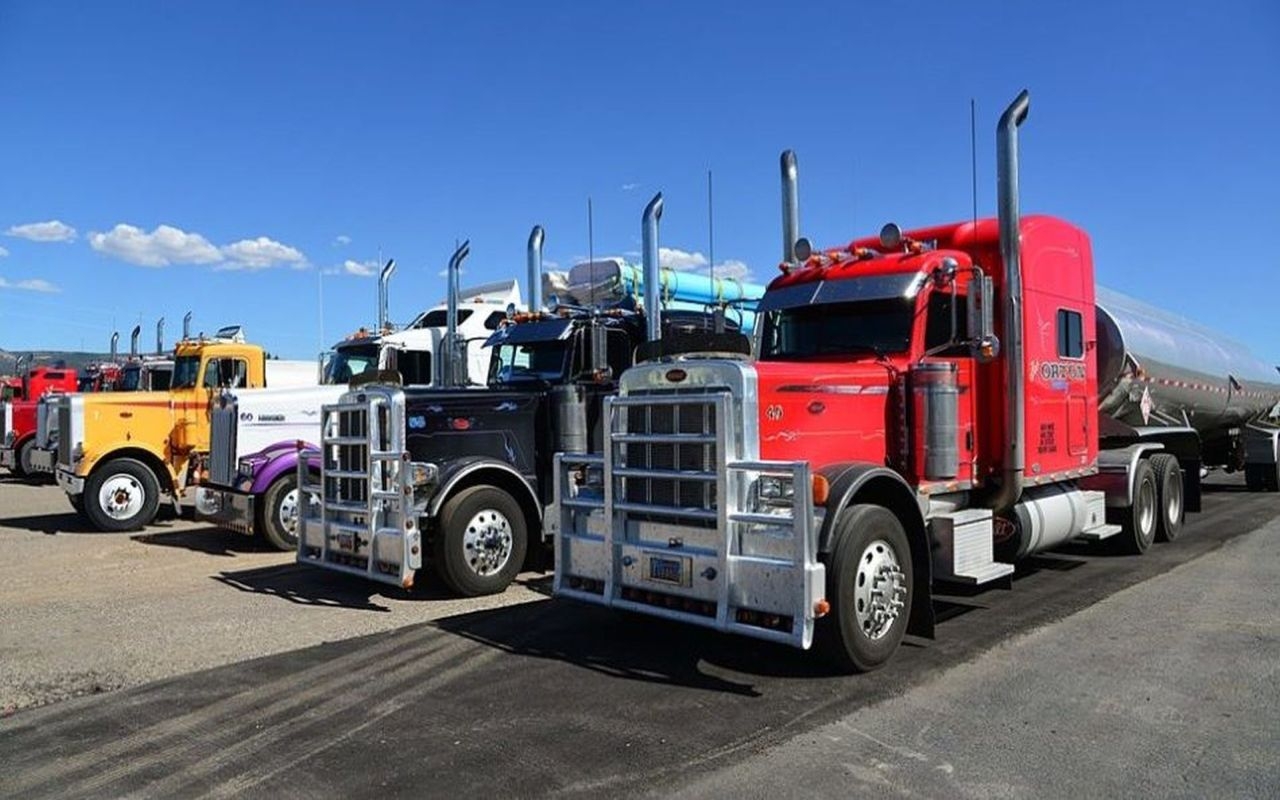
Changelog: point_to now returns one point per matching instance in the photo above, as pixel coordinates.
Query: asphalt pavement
(1035, 691)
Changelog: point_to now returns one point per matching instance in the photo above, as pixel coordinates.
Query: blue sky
(278, 141)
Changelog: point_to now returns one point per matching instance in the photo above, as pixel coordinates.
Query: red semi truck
(18, 417)
(894, 432)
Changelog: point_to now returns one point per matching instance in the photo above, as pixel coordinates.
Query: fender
(459, 470)
(95, 457)
(861, 482)
(279, 458)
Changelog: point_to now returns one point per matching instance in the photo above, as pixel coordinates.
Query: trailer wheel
(1140, 519)
(481, 541)
(278, 514)
(1169, 483)
(869, 579)
(121, 495)
(1262, 477)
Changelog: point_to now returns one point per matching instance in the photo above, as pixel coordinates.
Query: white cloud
(261, 253)
(687, 261)
(30, 285)
(163, 246)
(363, 269)
(3, 252)
(630, 187)
(341, 240)
(51, 231)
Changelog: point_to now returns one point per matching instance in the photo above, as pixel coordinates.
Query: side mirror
(981, 331)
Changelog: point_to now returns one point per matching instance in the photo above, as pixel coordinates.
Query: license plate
(346, 541)
(667, 570)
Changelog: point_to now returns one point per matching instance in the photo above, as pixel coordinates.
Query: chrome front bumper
(8, 458)
(44, 460)
(70, 482)
(226, 508)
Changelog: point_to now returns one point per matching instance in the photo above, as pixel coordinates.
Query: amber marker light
(821, 490)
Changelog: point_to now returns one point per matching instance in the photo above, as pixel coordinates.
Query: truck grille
(4, 421)
(346, 468)
(42, 424)
(676, 434)
(64, 432)
(223, 462)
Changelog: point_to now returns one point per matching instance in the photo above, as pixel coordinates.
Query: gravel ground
(87, 612)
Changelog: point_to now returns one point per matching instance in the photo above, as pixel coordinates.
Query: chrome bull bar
(364, 523)
(742, 566)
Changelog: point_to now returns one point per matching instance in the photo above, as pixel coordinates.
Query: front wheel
(480, 542)
(24, 466)
(278, 515)
(869, 586)
(121, 495)
(77, 503)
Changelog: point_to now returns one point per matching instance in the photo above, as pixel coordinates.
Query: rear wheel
(481, 541)
(278, 515)
(1168, 477)
(869, 581)
(121, 495)
(1140, 519)
(1262, 477)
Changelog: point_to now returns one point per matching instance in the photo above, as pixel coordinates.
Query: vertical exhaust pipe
(535, 267)
(455, 355)
(652, 270)
(133, 341)
(160, 337)
(790, 206)
(1011, 253)
(115, 346)
(186, 325)
(384, 294)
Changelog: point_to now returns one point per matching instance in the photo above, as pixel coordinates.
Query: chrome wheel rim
(1147, 509)
(287, 513)
(121, 496)
(1173, 496)
(487, 542)
(879, 590)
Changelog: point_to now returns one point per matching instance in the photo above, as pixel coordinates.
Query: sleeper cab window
(1070, 334)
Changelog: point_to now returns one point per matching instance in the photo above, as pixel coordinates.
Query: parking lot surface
(1095, 674)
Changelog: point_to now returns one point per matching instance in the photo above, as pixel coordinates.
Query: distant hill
(72, 358)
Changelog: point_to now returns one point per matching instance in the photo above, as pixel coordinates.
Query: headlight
(424, 473)
(246, 468)
(775, 490)
(77, 453)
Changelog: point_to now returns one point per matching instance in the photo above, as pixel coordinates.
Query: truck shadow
(51, 524)
(313, 587)
(211, 540)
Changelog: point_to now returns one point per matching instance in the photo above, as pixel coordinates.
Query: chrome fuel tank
(1157, 368)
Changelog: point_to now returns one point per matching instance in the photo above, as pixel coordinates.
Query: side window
(937, 327)
(1070, 334)
(494, 320)
(229, 372)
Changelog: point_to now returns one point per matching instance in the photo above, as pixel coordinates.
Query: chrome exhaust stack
(160, 336)
(790, 206)
(186, 325)
(455, 367)
(536, 237)
(652, 269)
(115, 346)
(1011, 253)
(133, 341)
(384, 294)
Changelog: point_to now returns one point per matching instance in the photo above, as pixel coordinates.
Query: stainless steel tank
(1156, 368)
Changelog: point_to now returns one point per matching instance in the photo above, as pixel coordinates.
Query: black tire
(1262, 477)
(1140, 520)
(137, 490)
(22, 460)
(1173, 509)
(77, 503)
(849, 644)
(463, 567)
(275, 507)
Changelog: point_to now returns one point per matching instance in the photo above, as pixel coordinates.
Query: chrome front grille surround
(223, 464)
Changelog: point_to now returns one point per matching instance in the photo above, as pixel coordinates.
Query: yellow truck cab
(118, 452)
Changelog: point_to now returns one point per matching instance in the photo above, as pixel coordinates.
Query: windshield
(868, 326)
(349, 362)
(131, 380)
(533, 361)
(186, 372)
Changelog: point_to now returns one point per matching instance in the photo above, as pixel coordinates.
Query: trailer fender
(859, 482)
(466, 473)
(1116, 469)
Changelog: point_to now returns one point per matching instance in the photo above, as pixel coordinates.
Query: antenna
(591, 246)
(711, 232)
(973, 157)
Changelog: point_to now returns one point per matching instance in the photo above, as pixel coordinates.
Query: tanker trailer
(1205, 397)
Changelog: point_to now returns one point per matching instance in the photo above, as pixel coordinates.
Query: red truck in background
(894, 432)
(18, 416)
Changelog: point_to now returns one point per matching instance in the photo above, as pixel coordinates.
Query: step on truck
(118, 453)
(459, 478)
(894, 433)
(252, 485)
